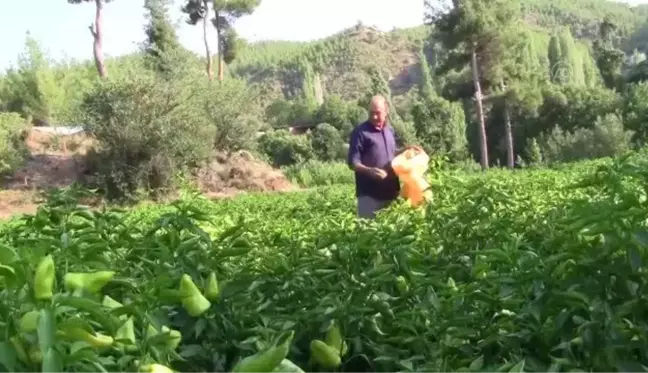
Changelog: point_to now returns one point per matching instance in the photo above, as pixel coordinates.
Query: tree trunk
(221, 60)
(96, 29)
(508, 133)
(210, 69)
(483, 145)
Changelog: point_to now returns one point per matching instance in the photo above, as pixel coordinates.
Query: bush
(285, 149)
(441, 127)
(608, 138)
(317, 173)
(12, 147)
(147, 130)
(327, 143)
(229, 113)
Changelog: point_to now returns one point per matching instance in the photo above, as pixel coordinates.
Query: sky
(62, 28)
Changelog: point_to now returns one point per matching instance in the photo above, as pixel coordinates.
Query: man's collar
(385, 125)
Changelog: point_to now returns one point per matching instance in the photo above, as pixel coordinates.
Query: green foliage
(441, 127)
(571, 64)
(283, 113)
(342, 115)
(12, 146)
(533, 153)
(147, 130)
(573, 107)
(161, 40)
(327, 143)
(285, 149)
(405, 291)
(636, 111)
(37, 89)
(227, 110)
(315, 173)
(607, 138)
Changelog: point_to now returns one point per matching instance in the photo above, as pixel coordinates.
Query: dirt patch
(238, 173)
(17, 202)
(59, 161)
(47, 143)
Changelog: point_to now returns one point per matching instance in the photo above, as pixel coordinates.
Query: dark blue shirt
(374, 147)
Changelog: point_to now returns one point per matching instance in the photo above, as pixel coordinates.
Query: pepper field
(536, 270)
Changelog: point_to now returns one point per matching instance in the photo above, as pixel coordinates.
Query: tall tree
(521, 79)
(473, 30)
(571, 57)
(609, 58)
(96, 29)
(226, 12)
(198, 11)
(555, 61)
(161, 39)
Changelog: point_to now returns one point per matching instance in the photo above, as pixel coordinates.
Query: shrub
(285, 149)
(233, 120)
(12, 146)
(608, 138)
(327, 143)
(147, 130)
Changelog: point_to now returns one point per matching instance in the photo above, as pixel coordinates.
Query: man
(372, 146)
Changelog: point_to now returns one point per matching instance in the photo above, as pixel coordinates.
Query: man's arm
(354, 159)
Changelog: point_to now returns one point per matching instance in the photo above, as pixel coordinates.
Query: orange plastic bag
(410, 167)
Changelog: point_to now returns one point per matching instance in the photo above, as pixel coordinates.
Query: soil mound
(240, 172)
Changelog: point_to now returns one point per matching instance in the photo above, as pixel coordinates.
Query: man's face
(377, 115)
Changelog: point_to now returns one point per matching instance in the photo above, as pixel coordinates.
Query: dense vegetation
(538, 270)
(558, 81)
(534, 269)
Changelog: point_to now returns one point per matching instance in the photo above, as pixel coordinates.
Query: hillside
(342, 59)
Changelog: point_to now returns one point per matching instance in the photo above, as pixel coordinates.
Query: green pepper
(44, 278)
(401, 285)
(211, 290)
(175, 339)
(325, 355)
(287, 366)
(265, 361)
(334, 337)
(93, 282)
(175, 336)
(151, 331)
(96, 340)
(155, 368)
(451, 284)
(111, 303)
(126, 331)
(192, 299)
(29, 321)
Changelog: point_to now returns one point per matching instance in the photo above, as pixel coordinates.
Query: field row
(537, 270)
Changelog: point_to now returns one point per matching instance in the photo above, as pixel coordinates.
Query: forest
(509, 83)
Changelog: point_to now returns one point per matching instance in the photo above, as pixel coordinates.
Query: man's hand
(377, 173)
(373, 172)
(408, 147)
(415, 147)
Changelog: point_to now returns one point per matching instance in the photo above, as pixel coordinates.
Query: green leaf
(46, 330)
(477, 364)
(519, 367)
(8, 357)
(52, 362)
